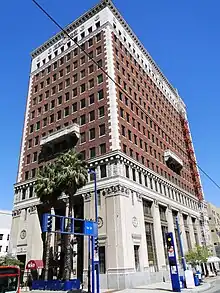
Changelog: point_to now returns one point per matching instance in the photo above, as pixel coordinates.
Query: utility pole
(181, 245)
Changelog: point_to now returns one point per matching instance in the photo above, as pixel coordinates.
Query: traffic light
(49, 223)
(169, 242)
(96, 244)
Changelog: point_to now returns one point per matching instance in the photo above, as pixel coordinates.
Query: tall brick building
(134, 131)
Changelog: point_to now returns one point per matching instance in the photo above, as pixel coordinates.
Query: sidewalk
(161, 288)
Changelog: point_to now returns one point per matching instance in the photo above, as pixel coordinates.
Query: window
(91, 68)
(1, 236)
(99, 63)
(38, 125)
(82, 137)
(90, 42)
(91, 99)
(137, 257)
(74, 107)
(31, 191)
(92, 116)
(103, 172)
(75, 52)
(99, 50)
(0, 248)
(52, 118)
(102, 148)
(83, 88)
(66, 111)
(74, 92)
(151, 248)
(99, 78)
(67, 82)
(97, 24)
(100, 95)
(82, 119)
(59, 100)
(31, 128)
(82, 60)
(36, 140)
(92, 152)
(83, 73)
(52, 104)
(92, 133)
(59, 115)
(82, 103)
(91, 83)
(8, 237)
(102, 130)
(28, 159)
(101, 111)
(35, 157)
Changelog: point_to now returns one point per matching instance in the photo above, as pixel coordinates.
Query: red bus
(9, 279)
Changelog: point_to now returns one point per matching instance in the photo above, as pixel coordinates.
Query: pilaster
(158, 237)
(183, 233)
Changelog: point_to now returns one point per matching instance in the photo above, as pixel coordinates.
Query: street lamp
(93, 172)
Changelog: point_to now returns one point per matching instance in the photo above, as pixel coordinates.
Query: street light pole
(91, 171)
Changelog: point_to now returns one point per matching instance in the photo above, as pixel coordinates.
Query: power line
(117, 84)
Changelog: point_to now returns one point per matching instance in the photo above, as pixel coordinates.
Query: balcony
(173, 161)
(59, 142)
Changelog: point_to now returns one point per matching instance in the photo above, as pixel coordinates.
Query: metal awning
(34, 265)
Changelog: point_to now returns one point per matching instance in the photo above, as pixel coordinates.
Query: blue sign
(90, 228)
(174, 274)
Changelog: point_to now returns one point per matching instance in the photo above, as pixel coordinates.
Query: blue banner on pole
(174, 274)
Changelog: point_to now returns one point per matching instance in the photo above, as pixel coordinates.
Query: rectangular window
(103, 172)
(137, 257)
(92, 116)
(92, 152)
(102, 148)
(100, 95)
(91, 68)
(82, 103)
(102, 130)
(98, 50)
(101, 111)
(83, 119)
(83, 88)
(74, 107)
(82, 137)
(91, 99)
(99, 78)
(92, 133)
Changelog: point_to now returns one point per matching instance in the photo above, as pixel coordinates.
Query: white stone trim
(25, 129)
(112, 96)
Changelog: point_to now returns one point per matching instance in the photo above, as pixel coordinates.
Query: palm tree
(72, 175)
(48, 192)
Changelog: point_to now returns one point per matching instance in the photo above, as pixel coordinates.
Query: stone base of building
(128, 280)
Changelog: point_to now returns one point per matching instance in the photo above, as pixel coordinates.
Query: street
(215, 287)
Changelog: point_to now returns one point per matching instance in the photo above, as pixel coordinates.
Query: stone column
(158, 237)
(183, 233)
(191, 232)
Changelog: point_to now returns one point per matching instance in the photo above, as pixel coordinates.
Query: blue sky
(182, 37)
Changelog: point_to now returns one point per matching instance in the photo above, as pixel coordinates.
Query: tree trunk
(68, 260)
(47, 258)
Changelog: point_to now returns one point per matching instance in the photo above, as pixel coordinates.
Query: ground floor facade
(136, 208)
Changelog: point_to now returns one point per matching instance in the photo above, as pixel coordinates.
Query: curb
(202, 288)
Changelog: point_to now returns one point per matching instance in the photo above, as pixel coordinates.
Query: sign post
(174, 274)
(83, 228)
